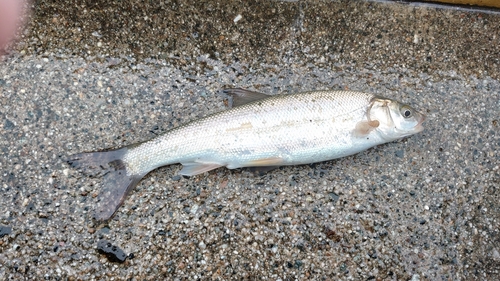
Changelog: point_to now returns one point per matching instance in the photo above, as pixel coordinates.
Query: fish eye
(406, 112)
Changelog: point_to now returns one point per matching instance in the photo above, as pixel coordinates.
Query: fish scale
(300, 128)
(259, 131)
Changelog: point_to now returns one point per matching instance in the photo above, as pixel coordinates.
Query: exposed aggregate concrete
(90, 75)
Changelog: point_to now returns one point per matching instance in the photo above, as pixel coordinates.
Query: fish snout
(419, 127)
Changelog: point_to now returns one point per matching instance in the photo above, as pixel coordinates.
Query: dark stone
(30, 206)
(113, 253)
(334, 196)
(8, 125)
(400, 153)
(105, 230)
(5, 230)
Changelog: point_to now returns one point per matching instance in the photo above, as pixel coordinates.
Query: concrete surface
(486, 3)
(89, 75)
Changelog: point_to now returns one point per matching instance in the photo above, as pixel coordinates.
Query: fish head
(397, 120)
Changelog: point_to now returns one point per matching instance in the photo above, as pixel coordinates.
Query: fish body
(259, 131)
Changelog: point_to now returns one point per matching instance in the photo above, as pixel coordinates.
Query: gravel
(91, 76)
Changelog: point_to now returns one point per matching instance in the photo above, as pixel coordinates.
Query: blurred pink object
(11, 17)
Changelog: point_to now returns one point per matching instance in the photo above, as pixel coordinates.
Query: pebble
(113, 253)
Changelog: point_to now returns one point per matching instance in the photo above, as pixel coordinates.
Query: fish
(258, 130)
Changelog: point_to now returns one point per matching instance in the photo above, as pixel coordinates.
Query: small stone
(113, 253)
(5, 230)
(400, 153)
(237, 18)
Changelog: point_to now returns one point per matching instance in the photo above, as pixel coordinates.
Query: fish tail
(117, 180)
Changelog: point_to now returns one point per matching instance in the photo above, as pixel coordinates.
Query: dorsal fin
(242, 96)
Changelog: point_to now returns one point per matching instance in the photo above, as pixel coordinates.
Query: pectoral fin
(363, 128)
(242, 96)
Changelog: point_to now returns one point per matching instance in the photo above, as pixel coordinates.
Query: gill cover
(397, 120)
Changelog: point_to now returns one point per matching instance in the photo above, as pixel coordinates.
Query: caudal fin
(118, 182)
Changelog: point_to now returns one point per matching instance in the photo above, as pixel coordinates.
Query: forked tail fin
(118, 182)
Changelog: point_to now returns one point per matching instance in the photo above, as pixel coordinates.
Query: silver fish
(258, 131)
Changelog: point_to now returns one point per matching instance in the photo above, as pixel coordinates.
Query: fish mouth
(419, 127)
